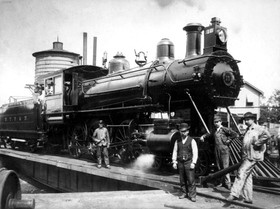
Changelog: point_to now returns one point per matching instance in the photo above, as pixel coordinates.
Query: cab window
(53, 86)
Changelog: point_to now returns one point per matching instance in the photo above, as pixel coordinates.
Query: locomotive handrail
(120, 89)
(118, 74)
(215, 56)
(169, 75)
(165, 68)
(107, 109)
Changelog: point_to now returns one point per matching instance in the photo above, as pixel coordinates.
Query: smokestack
(85, 48)
(94, 51)
(193, 47)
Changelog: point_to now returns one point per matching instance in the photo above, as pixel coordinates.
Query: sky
(28, 26)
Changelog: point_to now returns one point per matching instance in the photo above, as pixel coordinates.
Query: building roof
(57, 48)
(253, 87)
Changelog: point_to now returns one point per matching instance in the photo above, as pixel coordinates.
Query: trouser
(243, 183)
(187, 178)
(222, 160)
(104, 150)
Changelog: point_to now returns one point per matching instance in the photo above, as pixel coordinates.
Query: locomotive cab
(63, 90)
(53, 84)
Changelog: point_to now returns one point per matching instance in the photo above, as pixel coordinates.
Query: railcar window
(49, 87)
(53, 86)
(58, 85)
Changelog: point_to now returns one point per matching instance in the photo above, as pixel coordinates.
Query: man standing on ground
(102, 141)
(253, 148)
(223, 136)
(184, 158)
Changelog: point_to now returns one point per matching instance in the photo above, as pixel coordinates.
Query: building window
(249, 103)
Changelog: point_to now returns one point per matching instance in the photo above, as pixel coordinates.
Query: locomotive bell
(193, 39)
(165, 50)
(119, 63)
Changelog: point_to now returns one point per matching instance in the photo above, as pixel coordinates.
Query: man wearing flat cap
(223, 137)
(184, 158)
(253, 148)
(102, 141)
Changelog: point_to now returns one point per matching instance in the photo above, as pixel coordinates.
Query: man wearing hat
(253, 148)
(184, 158)
(102, 141)
(223, 137)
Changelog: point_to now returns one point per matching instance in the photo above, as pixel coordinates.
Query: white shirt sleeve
(194, 151)
(174, 154)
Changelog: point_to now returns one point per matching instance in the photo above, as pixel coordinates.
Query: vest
(184, 150)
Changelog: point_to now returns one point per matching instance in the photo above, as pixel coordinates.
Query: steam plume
(144, 162)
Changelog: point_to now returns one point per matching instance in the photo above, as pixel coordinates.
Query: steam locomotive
(142, 106)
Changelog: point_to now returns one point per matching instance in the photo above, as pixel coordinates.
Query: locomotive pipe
(233, 120)
(94, 51)
(204, 124)
(220, 173)
(84, 48)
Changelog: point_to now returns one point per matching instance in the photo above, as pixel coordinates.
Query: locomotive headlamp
(215, 37)
(222, 34)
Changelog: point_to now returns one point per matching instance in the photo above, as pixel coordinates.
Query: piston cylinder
(162, 143)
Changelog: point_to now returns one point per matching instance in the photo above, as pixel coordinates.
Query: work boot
(193, 199)
(248, 201)
(98, 166)
(183, 196)
(231, 198)
(218, 185)
(108, 166)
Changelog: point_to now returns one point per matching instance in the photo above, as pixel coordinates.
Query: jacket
(254, 143)
(101, 137)
(223, 136)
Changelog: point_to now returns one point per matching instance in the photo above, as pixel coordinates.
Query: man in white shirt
(102, 141)
(184, 158)
(253, 148)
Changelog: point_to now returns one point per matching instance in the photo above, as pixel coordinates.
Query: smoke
(191, 3)
(144, 162)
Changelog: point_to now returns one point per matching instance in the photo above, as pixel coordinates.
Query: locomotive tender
(142, 106)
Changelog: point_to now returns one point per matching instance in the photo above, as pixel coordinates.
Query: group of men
(184, 157)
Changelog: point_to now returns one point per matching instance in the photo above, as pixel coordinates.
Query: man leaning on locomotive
(223, 137)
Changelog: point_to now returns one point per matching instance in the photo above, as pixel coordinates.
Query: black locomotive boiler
(141, 106)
